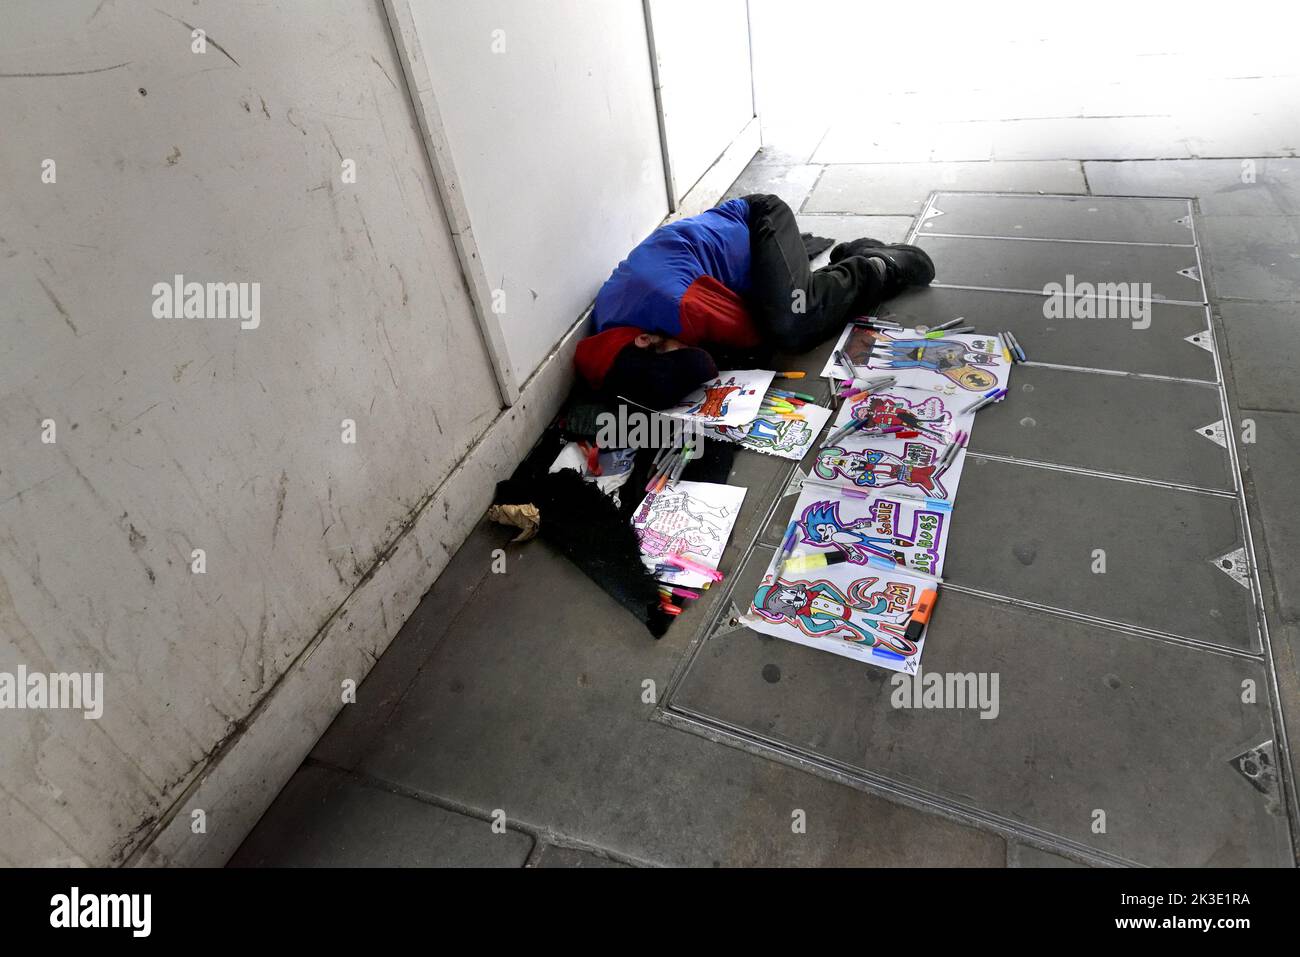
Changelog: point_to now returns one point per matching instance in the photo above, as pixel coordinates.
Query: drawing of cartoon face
(832, 462)
(877, 469)
(822, 533)
(786, 600)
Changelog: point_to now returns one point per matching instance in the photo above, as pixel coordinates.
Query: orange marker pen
(921, 614)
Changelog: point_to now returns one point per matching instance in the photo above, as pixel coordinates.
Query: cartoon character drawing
(883, 411)
(964, 365)
(820, 610)
(821, 525)
(675, 521)
(858, 345)
(784, 435)
(874, 468)
(717, 399)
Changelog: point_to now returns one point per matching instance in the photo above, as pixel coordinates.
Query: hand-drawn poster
(900, 465)
(771, 434)
(856, 343)
(960, 365)
(844, 609)
(691, 518)
(917, 412)
(907, 533)
(733, 398)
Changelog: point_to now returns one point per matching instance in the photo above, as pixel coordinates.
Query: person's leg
(794, 307)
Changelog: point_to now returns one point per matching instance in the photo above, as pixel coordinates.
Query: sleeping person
(733, 277)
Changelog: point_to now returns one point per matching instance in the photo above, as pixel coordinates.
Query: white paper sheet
(694, 518)
(860, 613)
(966, 365)
(880, 531)
(775, 435)
(733, 398)
(904, 463)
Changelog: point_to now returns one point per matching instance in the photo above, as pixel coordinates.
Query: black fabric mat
(585, 526)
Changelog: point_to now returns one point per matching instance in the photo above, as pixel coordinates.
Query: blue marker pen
(786, 544)
(983, 400)
(886, 653)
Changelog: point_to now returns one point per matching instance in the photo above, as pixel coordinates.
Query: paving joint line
(1096, 473)
(1056, 239)
(1287, 782)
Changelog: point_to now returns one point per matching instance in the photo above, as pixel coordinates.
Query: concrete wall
(174, 434)
(177, 434)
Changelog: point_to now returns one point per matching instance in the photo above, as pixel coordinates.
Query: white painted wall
(702, 54)
(175, 434)
(556, 143)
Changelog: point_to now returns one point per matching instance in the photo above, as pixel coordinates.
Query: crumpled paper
(526, 518)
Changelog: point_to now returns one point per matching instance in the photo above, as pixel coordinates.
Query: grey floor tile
(855, 141)
(902, 188)
(349, 735)
(1272, 463)
(1021, 139)
(1031, 534)
(1022, 855)
(552, 855)
(533, 704)
(1118, 343)
(1253, 257)
(1123, 137)
(888, 229)
(1125, 425)
(324, 818)
(789, 142)
(1236, 187)
(1092, 218)
(1036, 266)
(1087, 719)
(1263, 343)
(1285, 639)
(791, 183)
(1224, 129)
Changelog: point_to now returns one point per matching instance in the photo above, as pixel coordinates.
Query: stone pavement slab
(533, 703)
(1088, 719)
(902, 188)
(1032, 534)
(324, 818)
(1242, 187)
(1263, 348)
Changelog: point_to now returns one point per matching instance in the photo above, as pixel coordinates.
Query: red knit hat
(597, 353)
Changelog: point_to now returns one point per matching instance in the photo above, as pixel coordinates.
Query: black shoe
(852, 248)
(904, 265)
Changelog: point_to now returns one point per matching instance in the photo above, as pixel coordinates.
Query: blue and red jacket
(686, 280)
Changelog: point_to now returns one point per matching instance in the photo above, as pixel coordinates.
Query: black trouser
(795, 308)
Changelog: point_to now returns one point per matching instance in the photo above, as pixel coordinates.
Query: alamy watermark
(630, 429)
(130, 911)
(179, 299)
(1103, 300)
(24, 690)
(947, 690)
